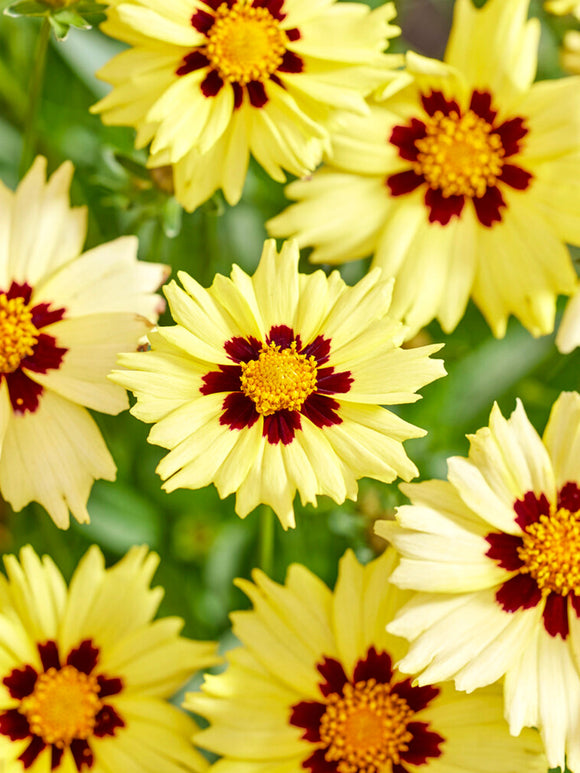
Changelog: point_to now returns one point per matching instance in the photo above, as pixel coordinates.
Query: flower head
(562, 7)
(461, 184)
(86, 673)
(313, 687)
(64, 317)
(495, 554)
(273, 383)
(208, 83)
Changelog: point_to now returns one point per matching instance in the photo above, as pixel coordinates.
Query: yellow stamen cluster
(551, 552)
(245, 43)
(63, 706)
(365, 729)
(18, 335)
(279, 379)
(460, 155)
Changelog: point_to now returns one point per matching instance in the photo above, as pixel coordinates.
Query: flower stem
(35, 90)
(266, 545)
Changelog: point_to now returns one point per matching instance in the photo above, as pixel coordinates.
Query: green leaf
(26, 8)
(70, 17)
(59, 28)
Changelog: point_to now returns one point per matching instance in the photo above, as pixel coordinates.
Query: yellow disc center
(245, 43)
(366, 728)
(18, 335)
(279, 379)
(551, 552)
(459, 155)
(63, 706)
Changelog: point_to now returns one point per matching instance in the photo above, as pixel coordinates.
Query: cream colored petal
(276, 283)
(52, 456)
(562, 438)
(93, 343)
(108, 278)
(476, 620)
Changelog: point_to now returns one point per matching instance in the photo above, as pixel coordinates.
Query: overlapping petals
(86, 672)
(64, 317)
(461, 184)
(273, 383)
(313, 687)
(209, 83)
(494, 553)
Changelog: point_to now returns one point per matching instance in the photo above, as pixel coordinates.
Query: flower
(495, 555)
(562, 7)
(86, 672)
(465, 182)
(570, 53)
(236, 77)
(568, 337)
(273, 383)
(313, 688)
(63, 319)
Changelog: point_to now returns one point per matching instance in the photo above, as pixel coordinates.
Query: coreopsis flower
(64, 317)
(208, 83)
(313, 687)
(466, 182)
(274, 383)
(495, 555)
(86, 672)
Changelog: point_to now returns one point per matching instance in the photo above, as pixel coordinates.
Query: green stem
(266, 544)
(35, 90)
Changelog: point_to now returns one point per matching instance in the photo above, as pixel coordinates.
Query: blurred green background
(202, 543)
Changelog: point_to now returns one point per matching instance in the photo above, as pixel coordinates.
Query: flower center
(63, 706)
(279, 379)
(245, 43)
(18, 335)
(459, 155)
(366, 727)
(551, 552)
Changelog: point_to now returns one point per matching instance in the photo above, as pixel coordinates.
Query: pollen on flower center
(459, 154)
(63, 706)
(245, 43)
(279, 379)
(551, 552)
(365, 728)
(18, 335)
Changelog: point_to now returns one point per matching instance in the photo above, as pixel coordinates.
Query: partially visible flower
(86, 673)
(495, 556)
(568, 336)
(570, 54)
(274, 383)
(208, 83)
(64, 317)
(562, 7)
(464, 183)
(313, 687)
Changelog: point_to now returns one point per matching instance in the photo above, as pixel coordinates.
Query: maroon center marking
(20, 683)
(24, 392)
(212, 84)
(522, 591)
(239, 410)
(307, 715)
(442, 209)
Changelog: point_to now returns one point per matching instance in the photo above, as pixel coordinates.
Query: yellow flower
(208, 83)
(313, 687)
(86, 672)
(273, 383)
(466, 182)
(64, 317)
(495, 556)
(562, 7)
